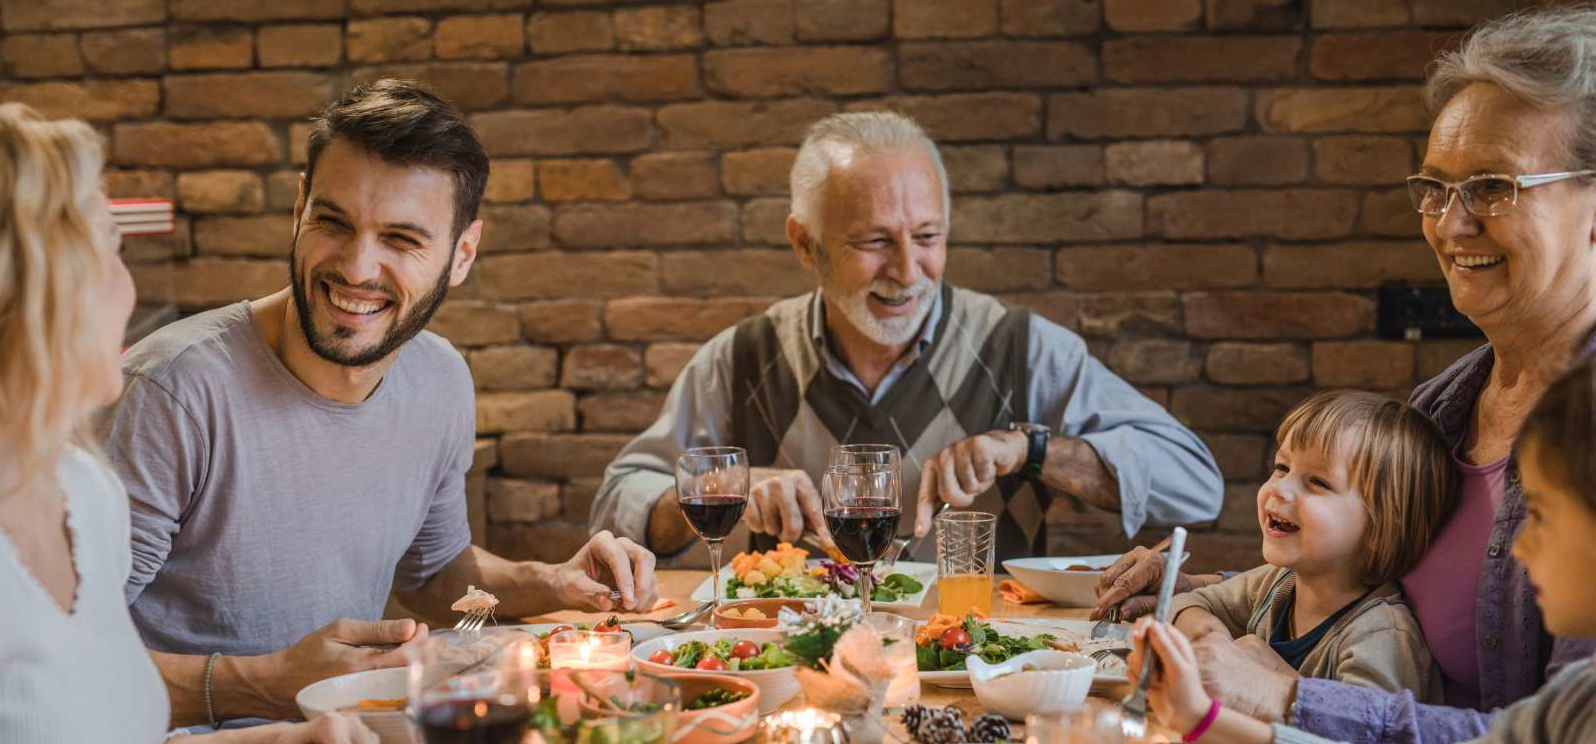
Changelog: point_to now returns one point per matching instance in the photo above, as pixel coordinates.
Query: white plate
(338, 692)
(641, 632)
(1077, 631)
(925, 573)
(1051, 578)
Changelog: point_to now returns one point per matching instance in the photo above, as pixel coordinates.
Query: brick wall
(1203, 188)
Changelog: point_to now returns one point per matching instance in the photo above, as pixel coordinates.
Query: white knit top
(83, 677)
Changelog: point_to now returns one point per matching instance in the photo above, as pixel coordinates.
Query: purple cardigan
(1516, 654)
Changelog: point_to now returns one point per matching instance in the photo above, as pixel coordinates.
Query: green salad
(726, 654)
(948, 650)
(716, 697)
(830, 577)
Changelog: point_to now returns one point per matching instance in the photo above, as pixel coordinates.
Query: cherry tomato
(662, 656)
(612, 625)
(711, 663)
(953, 637)
(745, 649)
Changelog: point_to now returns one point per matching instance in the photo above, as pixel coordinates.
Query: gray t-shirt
(262, 511)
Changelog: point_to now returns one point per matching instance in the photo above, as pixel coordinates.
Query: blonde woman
(72, 668)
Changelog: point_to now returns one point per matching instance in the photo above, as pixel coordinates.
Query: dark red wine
(473, 722)
(863, 533)
(714, 516)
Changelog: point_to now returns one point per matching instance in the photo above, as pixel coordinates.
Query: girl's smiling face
(1556, 546)
(1312, 516)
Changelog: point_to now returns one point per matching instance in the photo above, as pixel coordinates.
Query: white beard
(894, 331)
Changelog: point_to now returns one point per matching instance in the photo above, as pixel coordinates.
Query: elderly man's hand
(607, 563)
(1133, 578)
(782, 502)
(1232, 672)
(965, 470)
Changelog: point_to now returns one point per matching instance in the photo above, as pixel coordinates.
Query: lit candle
(807, 726)
(586, 649)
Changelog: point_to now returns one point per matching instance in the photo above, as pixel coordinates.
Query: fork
(473, 620)
(903, 545)
(1134, 707)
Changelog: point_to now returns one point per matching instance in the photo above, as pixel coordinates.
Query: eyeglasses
(1485, 195)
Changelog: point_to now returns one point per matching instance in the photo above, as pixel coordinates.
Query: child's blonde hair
(1400, 466)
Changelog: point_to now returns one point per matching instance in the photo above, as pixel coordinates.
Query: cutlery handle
(1166, 590)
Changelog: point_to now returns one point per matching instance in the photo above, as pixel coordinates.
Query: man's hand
(340, 647)
(1231, 672)
(965, 470)
(782, 502)
(607, 563)
(1132, 580)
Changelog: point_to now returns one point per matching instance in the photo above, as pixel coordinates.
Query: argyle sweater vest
(789, 410)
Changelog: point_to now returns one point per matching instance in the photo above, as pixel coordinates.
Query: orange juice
(957, 594)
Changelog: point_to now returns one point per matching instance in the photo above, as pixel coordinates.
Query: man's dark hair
(407, 123)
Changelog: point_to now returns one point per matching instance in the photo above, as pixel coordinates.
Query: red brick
(479, 37)
(606, 78)
(736, 273)
(379, 7)
(664, 362)
(1155, 361)
(1051, 166)
(1462, 13)
(528, 276)
(1349, 265)
(840, 20)
(1062, 308)
(1362, 159)
(724, 125)
(1257, 160)
(626, 411)
(1265, 315)
(510, 180)
(1156, 266)
(41, 55)
(519, 227)
(161, 144)
(966, 116)
(561, 321)
(1283, 213)
(1240, 457)
(1251, 409)
(1050, 17)
(544, 410)
(122, 52)
(1257, 364)
(401, 39)
(1040, 218)
(1146, 112)
(1194, 59)
(172, 246)
(25, 15)
(1389, 213)
(1436, 355)
(559, 455)
(513, 500)
(267, 95)
(244, 11)
(1397, 109)
(1112, 314)
(675, 175)
(514, 367)
(300, 45)
(550, 541)
(1359, 13)
(622, 225)
(765, 221)
(676, 318)
(1154, 163)
(1381, 55)
(120, 184)
(210, 47)
(943, 19)
(476, 323)
(1255, 15)
(1363, 364)
(749, 22)
(979, 65)
(797, 71)
(263, 236)
(976, 168)
(577, 31)
(468, 85)
(601, 367)
(1152, 15)
(220, 191)
(591, 129)
(753, 172)
(582, 180)
(1240, 509)
(208, 282)
(299, 142)
(659, 27)
(94, 100)
(999, 269)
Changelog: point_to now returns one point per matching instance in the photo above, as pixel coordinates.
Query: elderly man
(993, 407)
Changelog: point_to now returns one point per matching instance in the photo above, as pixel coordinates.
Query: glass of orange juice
(965, 543)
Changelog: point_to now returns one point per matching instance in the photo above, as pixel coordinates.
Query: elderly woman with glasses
(1508, 203)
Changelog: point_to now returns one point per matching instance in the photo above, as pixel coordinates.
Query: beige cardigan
(1377, 644)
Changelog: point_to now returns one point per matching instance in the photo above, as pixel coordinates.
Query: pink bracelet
(1202, 728)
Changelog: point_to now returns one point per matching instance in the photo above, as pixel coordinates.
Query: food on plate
(716, 697)
(475, 600)
(784, 572)
(1080, 567)
(945, 642)
(724, 655)
(376, 705)
(752, 613)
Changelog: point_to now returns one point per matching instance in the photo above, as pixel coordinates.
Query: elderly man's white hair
(840, 137)
(1545, 57)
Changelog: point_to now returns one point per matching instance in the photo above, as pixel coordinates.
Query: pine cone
(990, 729)
(942, 726)
(913, 715)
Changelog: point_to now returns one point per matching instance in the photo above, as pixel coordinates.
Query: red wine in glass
(863, 531)
(473, 722)
(713, 516)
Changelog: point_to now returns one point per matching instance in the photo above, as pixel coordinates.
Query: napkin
(1018, 593)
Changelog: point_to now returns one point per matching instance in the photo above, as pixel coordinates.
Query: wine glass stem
(720, 583)
(866, 577)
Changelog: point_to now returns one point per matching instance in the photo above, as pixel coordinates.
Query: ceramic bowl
(336, 693)
(769, 606)
(776, 686)
(1068, 581)
(1056, 683)
(723, 724)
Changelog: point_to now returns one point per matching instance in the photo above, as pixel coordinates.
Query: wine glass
(471, 691)
(849, 455)
(861, 505)
(712, 489)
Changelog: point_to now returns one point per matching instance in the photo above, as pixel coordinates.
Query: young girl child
(1359, 484)
(1556, 452)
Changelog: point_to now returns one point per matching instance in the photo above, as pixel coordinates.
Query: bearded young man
(992, 407)
(293, 458)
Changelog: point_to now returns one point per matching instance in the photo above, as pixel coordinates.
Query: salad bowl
(773, 670)
(1045, 682)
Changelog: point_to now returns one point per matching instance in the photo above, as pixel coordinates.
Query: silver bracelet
(210, 712)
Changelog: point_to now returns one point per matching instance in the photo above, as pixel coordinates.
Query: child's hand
(1176, 688)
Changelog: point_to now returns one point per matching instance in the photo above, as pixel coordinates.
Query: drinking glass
(965, 543)
(712, 489)
(897, 633)
(1095, 722)
(476, 691)
(861, 505)
(848, 455)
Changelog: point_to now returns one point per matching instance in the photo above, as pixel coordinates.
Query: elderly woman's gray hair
(841, 136)
(1545, 57)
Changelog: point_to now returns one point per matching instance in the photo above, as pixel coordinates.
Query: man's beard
(893, 331)
(398, 333)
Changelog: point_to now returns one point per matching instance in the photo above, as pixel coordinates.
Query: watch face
(1030, 428)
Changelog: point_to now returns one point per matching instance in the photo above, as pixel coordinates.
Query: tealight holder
(807, 726)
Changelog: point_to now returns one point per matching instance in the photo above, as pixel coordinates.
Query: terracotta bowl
(722, 724)
(769, 606)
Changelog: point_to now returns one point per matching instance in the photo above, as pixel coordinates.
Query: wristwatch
(1036, 436)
